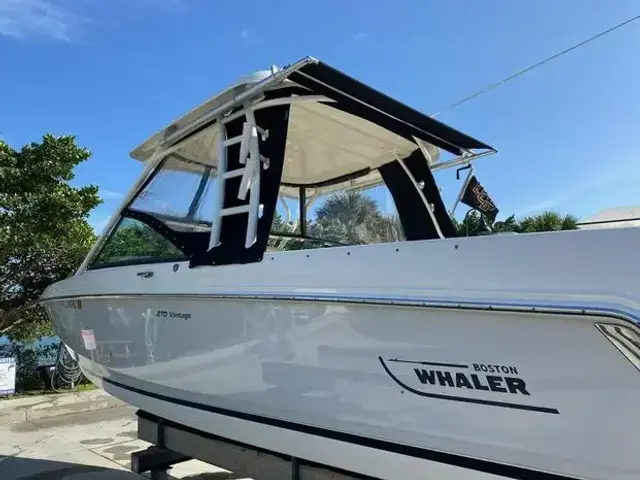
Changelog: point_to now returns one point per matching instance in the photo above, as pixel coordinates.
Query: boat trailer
(172, 443)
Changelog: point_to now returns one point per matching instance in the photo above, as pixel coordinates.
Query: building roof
(616, 217)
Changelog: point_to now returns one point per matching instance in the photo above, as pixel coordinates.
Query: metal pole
(461, 192)
(303, 211)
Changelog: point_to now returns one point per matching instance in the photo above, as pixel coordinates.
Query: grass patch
(83, 387)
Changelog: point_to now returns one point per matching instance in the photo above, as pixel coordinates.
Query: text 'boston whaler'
(241, 291)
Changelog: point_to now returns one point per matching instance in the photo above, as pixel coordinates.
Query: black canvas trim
(187, 242)
(420, 170)
(332, 181)
(233, 228)
(358, 109)
(413, 214)
(437, 133)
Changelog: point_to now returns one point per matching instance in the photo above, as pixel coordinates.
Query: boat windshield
(299, 164)
(181, 194)
(134, 242)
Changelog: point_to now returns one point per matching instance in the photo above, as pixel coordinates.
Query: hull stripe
(508, 471)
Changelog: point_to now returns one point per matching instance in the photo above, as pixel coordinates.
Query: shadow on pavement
(18, 468)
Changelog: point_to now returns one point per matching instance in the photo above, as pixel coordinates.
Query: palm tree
(548, 222)
(476, 224)
(354, 218)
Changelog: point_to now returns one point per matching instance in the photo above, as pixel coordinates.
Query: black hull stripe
(168, 423)
(508, 471)
(492, 403)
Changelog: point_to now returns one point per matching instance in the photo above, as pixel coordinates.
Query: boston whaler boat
(239, 291)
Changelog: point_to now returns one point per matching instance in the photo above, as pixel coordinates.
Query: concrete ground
(92, 444)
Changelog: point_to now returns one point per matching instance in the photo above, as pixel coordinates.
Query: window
(173, 214)
(336, 215)
(356, 217)
(179, 196)
(134, 242)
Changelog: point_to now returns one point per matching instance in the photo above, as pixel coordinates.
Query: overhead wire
(535, 65)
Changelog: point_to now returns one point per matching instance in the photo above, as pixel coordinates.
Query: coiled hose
(67, 371)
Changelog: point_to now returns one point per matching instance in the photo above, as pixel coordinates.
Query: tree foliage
(475, 224)
(28, 358)
(548, 222)
(353, 218)
(44, 233)
(350, 218)
(133, 239)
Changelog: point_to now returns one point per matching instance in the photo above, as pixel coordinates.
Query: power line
(535, 65)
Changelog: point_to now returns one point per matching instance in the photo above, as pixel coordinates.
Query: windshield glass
(180, 195)
(341, 216)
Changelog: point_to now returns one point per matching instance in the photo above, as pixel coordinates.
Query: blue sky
(113, 72)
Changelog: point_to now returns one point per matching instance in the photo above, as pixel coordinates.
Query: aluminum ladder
(253, 161)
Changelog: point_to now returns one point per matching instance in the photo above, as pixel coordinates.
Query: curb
(47, 406)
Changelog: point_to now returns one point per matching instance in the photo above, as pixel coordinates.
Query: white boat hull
(439, 357)
(458, 392)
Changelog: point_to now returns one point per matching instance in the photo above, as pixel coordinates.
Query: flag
(477, 197)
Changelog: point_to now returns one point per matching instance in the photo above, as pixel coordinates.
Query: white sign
(88, 339)
(7, 376)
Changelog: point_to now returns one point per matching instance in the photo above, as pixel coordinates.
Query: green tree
(44, 233)
(510, 224)
(548, 222)
(134, 239)
(354, 218)
(350, 218)
(473, 224)
(28, 358)
(476, 224)
(283, 243)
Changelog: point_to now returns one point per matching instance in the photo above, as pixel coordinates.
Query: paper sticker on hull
(88, 339)
(452, 381)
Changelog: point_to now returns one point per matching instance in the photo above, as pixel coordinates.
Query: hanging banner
(477, 197)
(7, 376)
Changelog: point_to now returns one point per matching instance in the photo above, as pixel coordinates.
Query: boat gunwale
(380, 300)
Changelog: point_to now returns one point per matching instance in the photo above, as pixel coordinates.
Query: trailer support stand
(295, 468)
(173, 443)
(157, 460)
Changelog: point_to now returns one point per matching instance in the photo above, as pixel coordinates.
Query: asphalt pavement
(92, 445)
